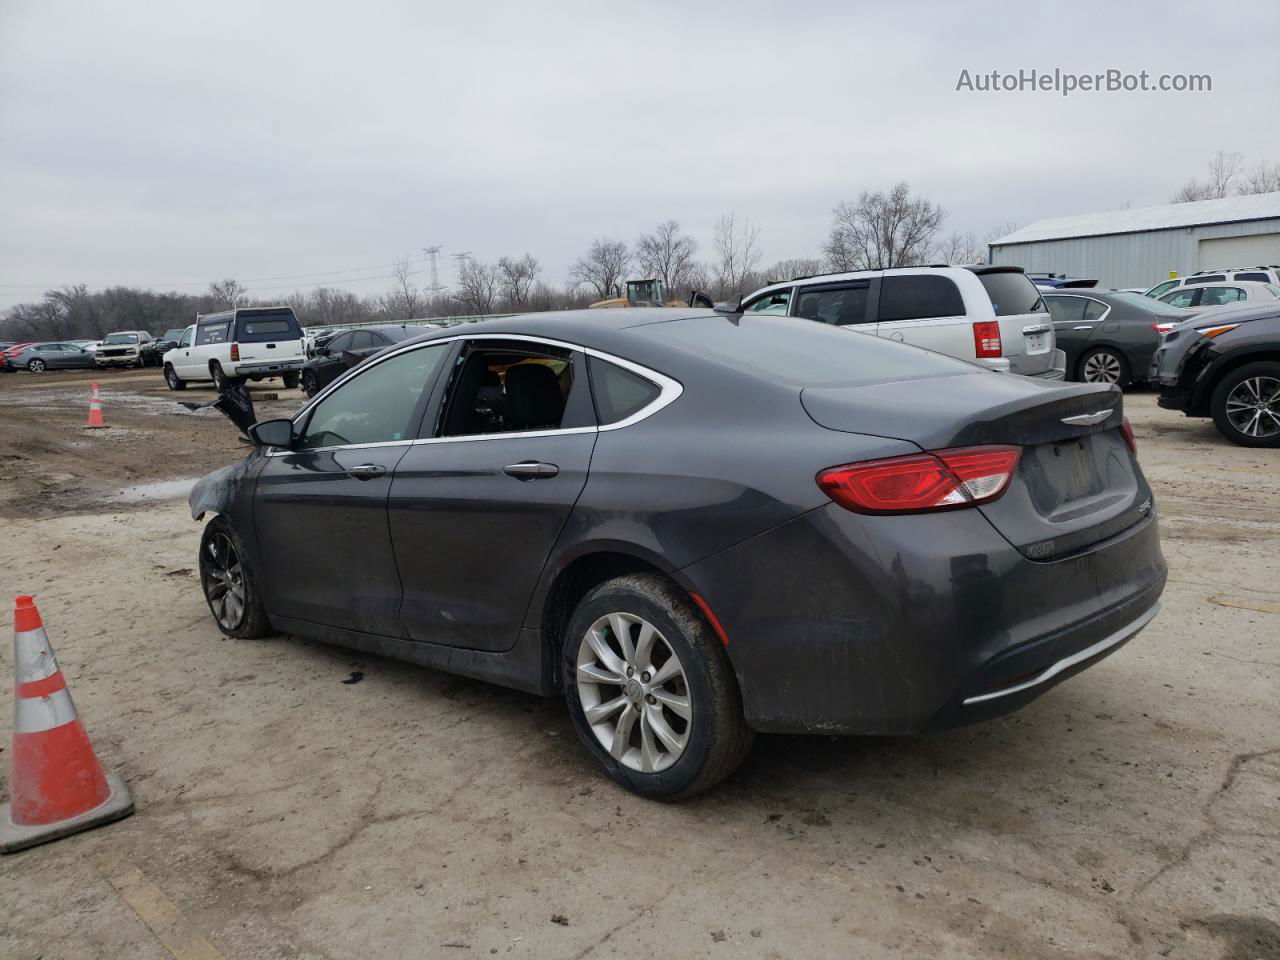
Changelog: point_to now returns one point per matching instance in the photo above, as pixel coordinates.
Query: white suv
(1269, 274)
(992, 316)
(250, 343)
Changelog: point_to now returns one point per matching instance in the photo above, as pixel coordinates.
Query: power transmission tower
(460, 261)
(432, 253)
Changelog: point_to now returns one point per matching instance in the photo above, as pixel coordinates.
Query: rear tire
(36, 366)
(1105, 365)
(628, 694)
(290, 381)
(233, 595)
(172, 379)
(221, 382)
(1246, 405)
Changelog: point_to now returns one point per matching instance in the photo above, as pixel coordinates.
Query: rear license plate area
(1036, 343)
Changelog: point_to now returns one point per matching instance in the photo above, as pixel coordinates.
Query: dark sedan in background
(1225, 364)
(1109, 336)
(694, 526)
(347, 349)
(50, 355)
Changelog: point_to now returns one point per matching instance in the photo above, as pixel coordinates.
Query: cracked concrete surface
(1134, 811)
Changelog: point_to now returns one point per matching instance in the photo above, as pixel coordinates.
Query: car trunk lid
(1077, 482)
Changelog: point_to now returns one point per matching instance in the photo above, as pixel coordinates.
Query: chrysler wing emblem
(1088, 419)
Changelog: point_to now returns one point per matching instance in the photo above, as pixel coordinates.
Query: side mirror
(272, 433)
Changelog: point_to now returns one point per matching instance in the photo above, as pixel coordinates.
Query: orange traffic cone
(57, 785)
(95, 409)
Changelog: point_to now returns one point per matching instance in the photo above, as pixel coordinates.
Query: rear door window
(1066, 309)
(917, 297)
(839, 306)
(1216, 296)
(1211, 278)
(1011, 293)
(1181, 298)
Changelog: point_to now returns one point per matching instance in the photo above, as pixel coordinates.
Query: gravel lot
(1133, 811)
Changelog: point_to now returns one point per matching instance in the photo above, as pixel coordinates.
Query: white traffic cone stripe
(41, 714)
(34, 659)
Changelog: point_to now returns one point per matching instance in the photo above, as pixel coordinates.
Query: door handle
(1087, 326)
(366, 471)
(530, 470)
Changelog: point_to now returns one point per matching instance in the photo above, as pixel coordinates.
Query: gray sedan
(56, 355)
(1109, 335)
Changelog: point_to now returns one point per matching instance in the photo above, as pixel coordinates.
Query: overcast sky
(170, 144)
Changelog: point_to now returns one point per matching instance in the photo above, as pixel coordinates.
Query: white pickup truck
(250, 343)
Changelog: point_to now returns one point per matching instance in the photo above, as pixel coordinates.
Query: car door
(477, 505)
(1075, 320)
(320, 507)
(363, 345)
(328, 363)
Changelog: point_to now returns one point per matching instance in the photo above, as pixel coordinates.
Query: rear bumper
(840, 623)
(267, 369)
(1059, 369)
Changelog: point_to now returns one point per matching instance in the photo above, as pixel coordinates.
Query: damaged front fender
(217, 492)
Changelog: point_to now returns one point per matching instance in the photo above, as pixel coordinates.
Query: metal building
(1138, 248)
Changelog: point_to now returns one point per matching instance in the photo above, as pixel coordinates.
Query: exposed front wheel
(172, 379)
(310, 386)
(1105, 365)
(1246, 405)
(650, 689)
(234, 598)
(36, 366)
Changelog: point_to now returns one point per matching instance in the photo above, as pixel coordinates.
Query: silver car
(991, 316)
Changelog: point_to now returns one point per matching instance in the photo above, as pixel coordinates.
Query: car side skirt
(524, 667)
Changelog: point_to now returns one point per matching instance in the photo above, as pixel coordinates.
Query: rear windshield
(259, 325)
(797, 351)
(1011, 293)
(1144, 303)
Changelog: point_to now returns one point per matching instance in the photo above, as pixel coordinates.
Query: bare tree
(792, 269)
(603, 268)
(517, 277)
(477, 286)
(1261, 179)
(1224, 170)
(227, 294)
(882, 230)
(737, 252)
(406, 290)
(666, 254)
(1001, 230)
(960, 249)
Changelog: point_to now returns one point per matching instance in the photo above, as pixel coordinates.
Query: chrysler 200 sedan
(695, 526)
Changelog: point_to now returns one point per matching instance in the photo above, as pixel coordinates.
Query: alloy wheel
(224, 582)
(36, 366)
(1253, 407)
(1102, 367)
(634, 692)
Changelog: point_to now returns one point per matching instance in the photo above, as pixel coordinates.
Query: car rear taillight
(235, 351)
(986, 339)
(942, 480)
(1127, 429)
(1162, 328)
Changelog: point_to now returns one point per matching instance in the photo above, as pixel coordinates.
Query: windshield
(175, 334)
(121, 338)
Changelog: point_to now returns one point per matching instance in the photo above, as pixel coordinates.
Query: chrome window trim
(1106, 310)
(669, 390)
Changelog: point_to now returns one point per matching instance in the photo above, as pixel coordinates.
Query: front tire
(650, 689)
(233, 595)
(1105, 365)
(172, 379)
(310, 385)
(1246, 405)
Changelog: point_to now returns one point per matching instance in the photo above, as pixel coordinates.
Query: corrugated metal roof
(1170, 215)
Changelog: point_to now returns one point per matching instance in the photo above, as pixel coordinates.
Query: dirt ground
(1133, 811)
